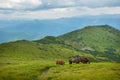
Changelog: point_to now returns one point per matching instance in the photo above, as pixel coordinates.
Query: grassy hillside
(48, 70)
(35, 60)
(100, 41)
(26, 51)
(94, 71)
(96, 37)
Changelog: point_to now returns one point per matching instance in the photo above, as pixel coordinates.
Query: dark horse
(85, 60)
(78, 59)
(60, 62)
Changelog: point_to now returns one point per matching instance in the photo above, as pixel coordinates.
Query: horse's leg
(70, 62)
(77, 62)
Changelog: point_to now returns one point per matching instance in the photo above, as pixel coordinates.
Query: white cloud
(52, 9)
(61, 13)
(19, 4)
(32, 4)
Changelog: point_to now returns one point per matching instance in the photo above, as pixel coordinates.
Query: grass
(94, 71)
(48, 70)
(23, 71)
(35, 60)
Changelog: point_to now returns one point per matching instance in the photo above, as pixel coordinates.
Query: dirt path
(45, 71)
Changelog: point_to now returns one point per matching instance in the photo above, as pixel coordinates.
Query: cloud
(46, 4)
(52, 9)
(62, 13)
(19, 4)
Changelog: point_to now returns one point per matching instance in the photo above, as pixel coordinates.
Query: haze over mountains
(11, 30)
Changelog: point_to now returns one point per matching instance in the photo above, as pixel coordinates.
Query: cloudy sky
(55, 9)
(34, 19)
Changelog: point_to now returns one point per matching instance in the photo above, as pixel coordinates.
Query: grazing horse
(78, 59)
(85, 60)
(60, 62)
(74, 60)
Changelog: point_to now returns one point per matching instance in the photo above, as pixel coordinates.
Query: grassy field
(35, 60)
(48, 70)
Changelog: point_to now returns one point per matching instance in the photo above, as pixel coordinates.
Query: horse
(74, 60)
(78, 59)
(85, 60)
(60, 62)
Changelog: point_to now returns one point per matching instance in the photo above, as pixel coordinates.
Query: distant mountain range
(99, 43)
(11, 30)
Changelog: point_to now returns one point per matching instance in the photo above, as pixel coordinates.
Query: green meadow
(36, 60)
(48, 70)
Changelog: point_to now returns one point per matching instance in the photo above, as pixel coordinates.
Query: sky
(54, 9)
(34, 19)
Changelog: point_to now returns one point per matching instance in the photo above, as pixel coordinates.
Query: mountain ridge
(99, 43)
(94, 34)
(99, 40)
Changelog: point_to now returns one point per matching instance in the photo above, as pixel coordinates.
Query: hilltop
(99, 43)
(96, 37)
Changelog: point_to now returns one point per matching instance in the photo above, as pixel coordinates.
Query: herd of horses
(74, 59)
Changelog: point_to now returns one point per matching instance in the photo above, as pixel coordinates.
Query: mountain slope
(98, 38)
(23, 50)
(100, 41)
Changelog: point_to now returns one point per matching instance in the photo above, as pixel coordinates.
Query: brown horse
(78, 59)
(60, 62)
(85, 60)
